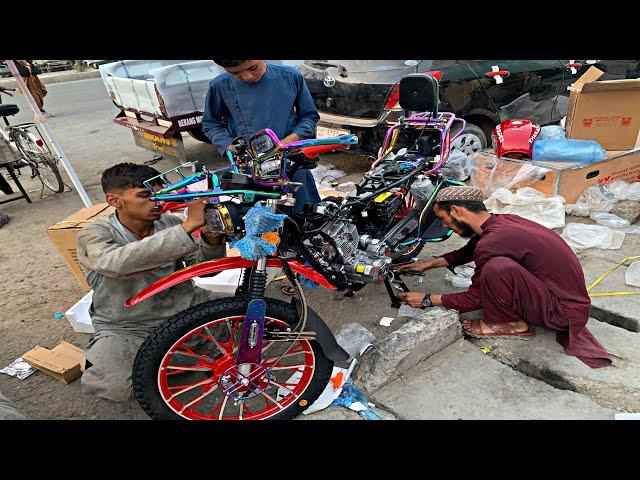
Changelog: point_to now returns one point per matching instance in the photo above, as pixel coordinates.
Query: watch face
(427, 301)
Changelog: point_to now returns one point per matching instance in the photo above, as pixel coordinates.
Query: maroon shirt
(547, 256)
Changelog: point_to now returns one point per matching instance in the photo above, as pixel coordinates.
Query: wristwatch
(426, 301)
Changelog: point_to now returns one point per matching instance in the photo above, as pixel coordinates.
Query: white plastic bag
(460, 281)
(581, 236)
(609, 220)
(632, 276)
(529, 203)
(457, 166)
(354, 338)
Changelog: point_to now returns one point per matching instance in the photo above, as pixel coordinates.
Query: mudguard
(218, 265)
(324, 336)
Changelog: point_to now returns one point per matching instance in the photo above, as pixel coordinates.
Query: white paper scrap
(386, 321)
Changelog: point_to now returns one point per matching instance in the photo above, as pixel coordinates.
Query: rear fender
(218, 265)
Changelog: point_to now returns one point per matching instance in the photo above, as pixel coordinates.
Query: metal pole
(53, 141)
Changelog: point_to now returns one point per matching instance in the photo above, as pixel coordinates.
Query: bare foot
(520, 326)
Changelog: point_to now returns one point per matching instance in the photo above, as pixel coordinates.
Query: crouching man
(525, 275)
(124, 253)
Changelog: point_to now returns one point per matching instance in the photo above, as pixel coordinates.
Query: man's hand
(212, 238)
(413, 299)
(290, 138)
(195, 218)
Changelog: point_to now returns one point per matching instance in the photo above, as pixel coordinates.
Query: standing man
(125, 253)
(253, 95)
(29, 72)
(525, 275)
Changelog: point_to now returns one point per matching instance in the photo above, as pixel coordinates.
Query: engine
(360, 258)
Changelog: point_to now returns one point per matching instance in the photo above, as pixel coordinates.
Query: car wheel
(471, 141)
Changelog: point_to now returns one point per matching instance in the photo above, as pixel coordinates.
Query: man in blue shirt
(253, 95)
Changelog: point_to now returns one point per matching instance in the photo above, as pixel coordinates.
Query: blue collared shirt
(280, 100)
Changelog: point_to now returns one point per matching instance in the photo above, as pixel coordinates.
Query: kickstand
(154, 160)
(395, 301)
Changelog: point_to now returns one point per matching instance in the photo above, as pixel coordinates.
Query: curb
(10, 82)
(425, 334)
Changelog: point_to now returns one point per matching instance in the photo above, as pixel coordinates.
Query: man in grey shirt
(122, 254)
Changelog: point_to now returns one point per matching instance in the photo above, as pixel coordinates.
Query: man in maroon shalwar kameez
(525, 275)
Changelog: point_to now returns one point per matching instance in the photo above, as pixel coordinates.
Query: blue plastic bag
(350, 394)
(568, 150)
(552, 132)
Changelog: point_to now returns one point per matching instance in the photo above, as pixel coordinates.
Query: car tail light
(437, 74)
(394, 97)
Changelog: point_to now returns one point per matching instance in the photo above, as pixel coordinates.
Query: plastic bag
(608, 220)
(632, 276)
(596, 198)
(325, 174)
(568, 150)
(529, 203)
(462, 277)
(422, 189)
(580, 236)
(354, 338)
(351, 398)
(457, 166)
(489, 173)
(552, 132)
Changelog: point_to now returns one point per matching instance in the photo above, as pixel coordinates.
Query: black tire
(198, 135)
(145, 367)
(48, 171)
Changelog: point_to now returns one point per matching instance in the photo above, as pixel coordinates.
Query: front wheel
(182, 369)
(47, 165)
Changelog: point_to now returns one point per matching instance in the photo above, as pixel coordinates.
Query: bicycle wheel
(46, 165)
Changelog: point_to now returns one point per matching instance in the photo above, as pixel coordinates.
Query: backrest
(419, 93)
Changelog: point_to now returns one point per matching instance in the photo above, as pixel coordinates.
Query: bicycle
(34, 151)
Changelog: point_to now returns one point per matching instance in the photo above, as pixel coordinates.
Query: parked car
(54, 65)
(361, 96)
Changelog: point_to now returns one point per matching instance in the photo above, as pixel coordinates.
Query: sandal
(288, 289)
(500, 330)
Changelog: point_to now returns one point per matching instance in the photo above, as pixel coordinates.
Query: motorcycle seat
(8, 109)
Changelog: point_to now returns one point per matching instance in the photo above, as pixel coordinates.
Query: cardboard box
(607, 112)
(568, 179)
(63, 235)
(65, 362)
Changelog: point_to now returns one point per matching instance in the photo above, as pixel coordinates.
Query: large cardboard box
(63, 235)
(607, 112)
(568, 179)
(65, 362)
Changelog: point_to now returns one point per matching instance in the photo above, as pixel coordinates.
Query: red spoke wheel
(186, 368)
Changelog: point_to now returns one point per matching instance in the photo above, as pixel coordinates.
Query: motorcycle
(251, 357)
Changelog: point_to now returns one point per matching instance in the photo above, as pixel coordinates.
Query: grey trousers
(112, 358)
(8, 410)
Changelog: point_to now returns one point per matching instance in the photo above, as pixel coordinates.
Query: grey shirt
(118, 266)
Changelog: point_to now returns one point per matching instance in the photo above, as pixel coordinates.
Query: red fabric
(526, 271)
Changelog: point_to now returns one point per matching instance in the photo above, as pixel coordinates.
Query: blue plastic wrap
(257, 221)
(568, 150)
(350, 394)
(552, 132)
